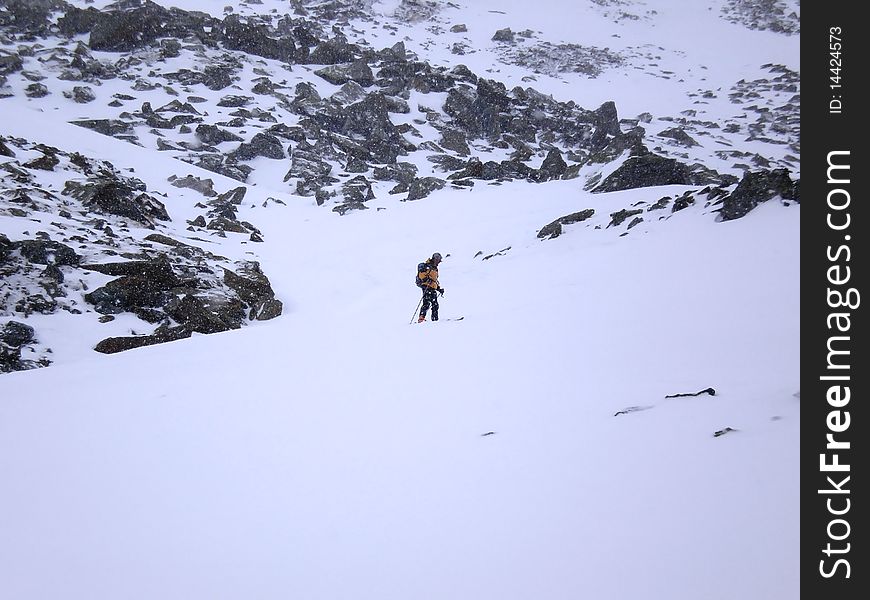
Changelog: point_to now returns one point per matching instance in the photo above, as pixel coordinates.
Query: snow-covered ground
(526, 451)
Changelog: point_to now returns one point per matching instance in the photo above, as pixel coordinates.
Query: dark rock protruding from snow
(423, 186)
(123, 197)
(161, 336)
(255, 290)
(45, 252)
(646, 171)
(141, 284)
(554, 229)
(13, 337)
(757, 187)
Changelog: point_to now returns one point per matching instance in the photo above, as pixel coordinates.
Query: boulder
(358, 71)
(757, 187)
(262, 144)
(113, 345)
(206, 314)
(212, 135)
(120, 197)
(646, 171)
(423, 186)
(15, 334)
(46, 252)
(554, 229)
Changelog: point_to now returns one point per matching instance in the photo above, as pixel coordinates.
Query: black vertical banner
(834, 227)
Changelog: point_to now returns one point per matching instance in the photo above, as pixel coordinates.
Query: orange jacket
(427, 275)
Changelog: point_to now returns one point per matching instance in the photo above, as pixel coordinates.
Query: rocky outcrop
(554, 229)
(15, 336)
(423, 186)
(757, 187)
(124, 197)
(646, 171)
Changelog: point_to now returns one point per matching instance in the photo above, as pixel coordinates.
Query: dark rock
(333, 52)
(213, 135)
(110, 127)
(617, 218)
(503, 35)
(553, 167)
(358, 189)
(402, 172)
(422, 187)
(113, 345)
(216, 77)
(757, 187)
(554, 229)
(345, 207)
(5, 150)
(46, 162)
(255, 38)
(83, 94)
(206, 315)
(203, 186)
(646, 171)
(255, 290)
(454, 140)
(143, 284)
(118, 197)
(477, 111)
(262, 144)
(52, 274)
(15, 334)
(679, 135)
(269, 309)
(684, 201)
(226, 224)
(123, 31)
(358, 71)
(10, 63)
(6, 247)
(234, 101)
(36, 303)
(46, 252)
(349, 93)
(36, 90)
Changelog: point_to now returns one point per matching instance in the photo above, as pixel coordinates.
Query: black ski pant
(430, 298)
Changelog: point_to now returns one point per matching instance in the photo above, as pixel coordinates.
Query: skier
(427, 280)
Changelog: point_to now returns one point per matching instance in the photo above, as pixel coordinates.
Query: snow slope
(340, 452)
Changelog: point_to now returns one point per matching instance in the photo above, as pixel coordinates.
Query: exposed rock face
(554, 229)
(45, 252)
(116, 196)
(254, 289)
(140, 285)
(422, 187)
(161, 336)
(13, 337)
(646, 171)
(757, 187)
(124, 31)
(255, 38)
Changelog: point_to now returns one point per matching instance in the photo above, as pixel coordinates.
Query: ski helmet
(436, 256)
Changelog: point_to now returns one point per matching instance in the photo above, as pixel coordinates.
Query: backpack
(422, 269)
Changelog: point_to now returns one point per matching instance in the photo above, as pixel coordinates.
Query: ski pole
(416, 310)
